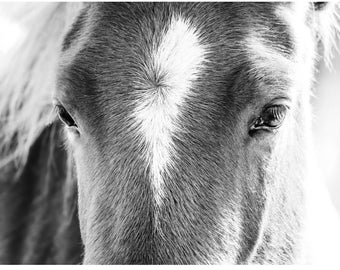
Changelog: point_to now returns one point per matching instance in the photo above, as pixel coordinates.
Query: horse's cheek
(85, 165)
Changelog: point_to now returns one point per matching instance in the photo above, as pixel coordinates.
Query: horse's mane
(27, 76)
(327, 27)
(27, 71)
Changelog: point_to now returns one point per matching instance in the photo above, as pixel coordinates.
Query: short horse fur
(163, 155)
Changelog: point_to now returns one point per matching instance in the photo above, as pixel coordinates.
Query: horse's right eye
(270, 119)
(65, 117)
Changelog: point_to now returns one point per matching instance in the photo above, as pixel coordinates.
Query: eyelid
(285, 101)
(275, 109)
(70, 109)
(281, 100)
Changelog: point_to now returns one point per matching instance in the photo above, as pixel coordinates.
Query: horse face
(187, 126)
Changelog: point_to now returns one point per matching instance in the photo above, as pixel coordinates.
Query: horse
(164, 133)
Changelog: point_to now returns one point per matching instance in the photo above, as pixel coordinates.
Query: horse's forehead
(142, 46)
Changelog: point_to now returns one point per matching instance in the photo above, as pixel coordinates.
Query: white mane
(327, 27)
(27, 75)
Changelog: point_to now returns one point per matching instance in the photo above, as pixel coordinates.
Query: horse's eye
(271, 118)
(65, 117)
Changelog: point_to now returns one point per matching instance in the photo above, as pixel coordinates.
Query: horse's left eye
(271, 118)
(65, 117)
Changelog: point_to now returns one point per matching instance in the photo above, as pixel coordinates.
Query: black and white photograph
(170, 133)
